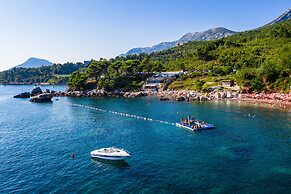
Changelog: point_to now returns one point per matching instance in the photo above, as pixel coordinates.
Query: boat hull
(108, 157)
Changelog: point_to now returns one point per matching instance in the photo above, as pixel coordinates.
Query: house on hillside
(169, 74)
(154, 83)
(158, 80)
(227, 83)
(179, 44)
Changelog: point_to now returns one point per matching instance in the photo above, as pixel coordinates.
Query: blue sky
(78, 30)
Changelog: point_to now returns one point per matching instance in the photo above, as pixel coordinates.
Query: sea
(249, 151)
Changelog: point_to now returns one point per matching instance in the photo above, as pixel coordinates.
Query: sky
(77, 30)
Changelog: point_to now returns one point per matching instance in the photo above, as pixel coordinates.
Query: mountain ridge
(210, 34)
(34, 62)
(286, 15)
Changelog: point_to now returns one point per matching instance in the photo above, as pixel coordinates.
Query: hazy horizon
(73, 31)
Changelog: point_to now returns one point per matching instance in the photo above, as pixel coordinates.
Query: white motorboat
(111, 153)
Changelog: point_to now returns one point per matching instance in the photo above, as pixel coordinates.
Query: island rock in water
(23, 95)
(45, 97)
(36, 91)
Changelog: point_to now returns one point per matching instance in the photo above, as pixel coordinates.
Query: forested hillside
(55, 74)
(261, 58)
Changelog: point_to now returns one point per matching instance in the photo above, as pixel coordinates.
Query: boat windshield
(109, 150)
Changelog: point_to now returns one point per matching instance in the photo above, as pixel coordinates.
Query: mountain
(34, 62)
(211, 34)
(283, 17)
(155, 48)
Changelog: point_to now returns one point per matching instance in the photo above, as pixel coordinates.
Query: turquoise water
(242, 155)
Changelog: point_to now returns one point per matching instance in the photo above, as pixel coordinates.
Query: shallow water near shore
(248, 152)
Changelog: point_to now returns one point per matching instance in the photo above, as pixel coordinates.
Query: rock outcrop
(134, 94)
(180, 98)
(23, 95)
(45, 97)
(36, 91)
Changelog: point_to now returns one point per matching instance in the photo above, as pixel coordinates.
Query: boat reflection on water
(113, 163)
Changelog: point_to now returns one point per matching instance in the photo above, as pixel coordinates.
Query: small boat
(199, 126)
(111, 153)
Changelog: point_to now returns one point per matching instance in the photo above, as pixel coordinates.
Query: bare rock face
(23, 95)
(126, 94)
(134, 94)
(45, 97)
(36, 91)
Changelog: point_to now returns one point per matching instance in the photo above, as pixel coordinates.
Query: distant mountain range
(34, 62)
(283, 17)
(211, 34)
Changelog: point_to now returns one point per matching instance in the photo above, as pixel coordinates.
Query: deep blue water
(242, 155)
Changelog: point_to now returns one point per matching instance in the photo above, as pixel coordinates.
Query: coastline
(273, 99)
(276, 100)
(270, 103)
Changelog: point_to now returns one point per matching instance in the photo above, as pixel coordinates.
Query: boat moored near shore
(204, 126)
(194, 125)
(111, 153)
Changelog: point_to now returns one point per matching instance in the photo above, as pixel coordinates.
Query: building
(179, 44)
(159, 79)
(227, 83)
(154, 82)
(151, 86)
(169, 74)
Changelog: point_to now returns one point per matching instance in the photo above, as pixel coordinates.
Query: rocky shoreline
(179, 95)
(99, 93)
(169, 95)
(186, 95)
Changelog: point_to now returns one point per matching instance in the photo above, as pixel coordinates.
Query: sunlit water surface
(248, 152)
